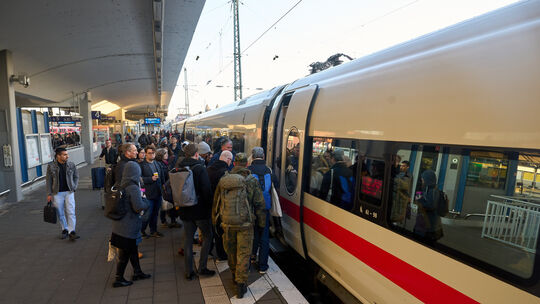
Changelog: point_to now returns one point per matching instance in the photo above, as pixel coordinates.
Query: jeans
(189, 231)
(65, 205)
(261, 242)
(153, 209)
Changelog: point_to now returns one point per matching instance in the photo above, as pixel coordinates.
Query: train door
(287, 158)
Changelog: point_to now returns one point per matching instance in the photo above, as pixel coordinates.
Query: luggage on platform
(98, 177)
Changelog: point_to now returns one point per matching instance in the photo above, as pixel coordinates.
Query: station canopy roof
(124, 51)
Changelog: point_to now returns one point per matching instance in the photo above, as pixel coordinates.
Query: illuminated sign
(371, 187)
(152, 120)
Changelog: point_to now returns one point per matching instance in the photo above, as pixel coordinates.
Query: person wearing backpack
(127, 230)
(198, 215)
(239, 205)
(428, 222)
(265, 177)
(215, 173)
(338, 183)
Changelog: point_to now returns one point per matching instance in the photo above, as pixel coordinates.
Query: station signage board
(96, 114)
(64, 119)
(152, 120)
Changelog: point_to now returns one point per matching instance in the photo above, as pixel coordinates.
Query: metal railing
(514, 223)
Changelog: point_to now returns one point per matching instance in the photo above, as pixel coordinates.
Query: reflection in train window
(487, 169)
(292, 158)
(332, 172)
(485, 215)
(238, 140)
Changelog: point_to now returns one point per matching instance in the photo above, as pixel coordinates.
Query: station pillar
(86, 127)
(10, 162)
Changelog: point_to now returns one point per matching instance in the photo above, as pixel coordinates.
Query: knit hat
(204, 148)
(191, 149)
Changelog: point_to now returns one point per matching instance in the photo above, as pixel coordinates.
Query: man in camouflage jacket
(238, 239)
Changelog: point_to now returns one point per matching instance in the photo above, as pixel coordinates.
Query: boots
(123, 258)
(137, 272)
(241, 290)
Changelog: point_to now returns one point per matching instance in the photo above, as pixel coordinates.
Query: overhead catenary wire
(256, 40)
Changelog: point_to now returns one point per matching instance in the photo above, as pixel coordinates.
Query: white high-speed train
(462, 102)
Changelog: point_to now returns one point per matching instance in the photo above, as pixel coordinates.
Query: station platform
(36, 266)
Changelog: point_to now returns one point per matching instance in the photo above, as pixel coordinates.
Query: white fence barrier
(513, 223)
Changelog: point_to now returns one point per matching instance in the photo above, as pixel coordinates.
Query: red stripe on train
(418, 283)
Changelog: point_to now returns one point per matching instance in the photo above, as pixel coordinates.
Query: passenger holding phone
(153, 183)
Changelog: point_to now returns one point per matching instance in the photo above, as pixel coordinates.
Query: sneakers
(144, 234)
(64, 234)
(157, 234)
(207, 272)
(73, 236)
(262, 271)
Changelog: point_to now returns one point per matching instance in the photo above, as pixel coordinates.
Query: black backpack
(115, 204)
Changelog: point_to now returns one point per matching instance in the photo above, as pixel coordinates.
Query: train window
(333, 171)
(292, 154)
(484, 204)
(238, 140)
(487, 169)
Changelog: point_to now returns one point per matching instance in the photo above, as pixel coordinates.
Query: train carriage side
(461, 113)
(242, 121)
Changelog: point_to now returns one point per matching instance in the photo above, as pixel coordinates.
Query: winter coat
(428, 223)
(130, 225)
(215, 172)
(202, 210)
(338, 169)
(254, 196)
(110, 157)
(153, 189)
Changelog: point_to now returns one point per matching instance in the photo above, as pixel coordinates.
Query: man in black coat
(198, 215)
(110, 153)
(143, 140)
(153, 178)
(215, 172)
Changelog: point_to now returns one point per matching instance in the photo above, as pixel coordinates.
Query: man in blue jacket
(265, 177)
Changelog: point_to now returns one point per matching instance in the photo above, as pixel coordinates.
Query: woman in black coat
(127, 230)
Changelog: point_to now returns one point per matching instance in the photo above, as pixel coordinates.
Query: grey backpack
(183, 187)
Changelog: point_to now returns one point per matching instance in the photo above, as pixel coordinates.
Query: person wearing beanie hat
(198, 215)
(205, 152)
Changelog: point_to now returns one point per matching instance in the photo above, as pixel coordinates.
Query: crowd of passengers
(65, 140)
(142, 167)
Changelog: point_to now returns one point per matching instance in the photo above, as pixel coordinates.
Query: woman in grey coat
(126, 231)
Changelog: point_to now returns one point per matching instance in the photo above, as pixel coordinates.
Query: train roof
(484, 24)
(253, 100)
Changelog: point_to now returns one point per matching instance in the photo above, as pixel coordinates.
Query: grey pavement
(38, 267)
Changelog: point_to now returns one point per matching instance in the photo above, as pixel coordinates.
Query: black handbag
(49, 213)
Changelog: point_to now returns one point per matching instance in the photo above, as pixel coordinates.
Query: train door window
(372, 172)
(278, 133)
(333, 171)
(292, 160)
(470, 202)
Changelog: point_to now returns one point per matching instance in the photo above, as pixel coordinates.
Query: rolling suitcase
(98, 177)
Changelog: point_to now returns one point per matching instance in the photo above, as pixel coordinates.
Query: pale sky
(313, 31)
